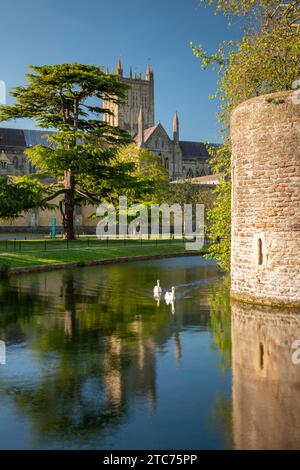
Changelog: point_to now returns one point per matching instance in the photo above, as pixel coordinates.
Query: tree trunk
(68, 214)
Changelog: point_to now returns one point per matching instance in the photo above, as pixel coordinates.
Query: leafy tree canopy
(19, 195)
(147, 169)
(265, 60)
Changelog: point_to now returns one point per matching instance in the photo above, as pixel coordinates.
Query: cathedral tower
(140, 95)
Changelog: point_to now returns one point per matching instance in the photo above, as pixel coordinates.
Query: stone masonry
(265, 134)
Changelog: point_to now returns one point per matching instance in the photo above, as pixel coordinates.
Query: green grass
(80, 252)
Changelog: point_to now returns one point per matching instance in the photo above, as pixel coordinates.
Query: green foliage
(265, 60)
(220, 321)
(187, 193)
(19, 195)
(250, 8)
(4, 267)
(148, 170)
(219, 216)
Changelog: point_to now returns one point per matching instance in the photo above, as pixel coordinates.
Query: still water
(94, 362)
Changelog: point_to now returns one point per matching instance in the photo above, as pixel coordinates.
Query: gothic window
(190, 174)
(166, 163)
(16, 163)
(3, 165)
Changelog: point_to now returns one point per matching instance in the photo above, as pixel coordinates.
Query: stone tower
(265, 134)
(140, 95)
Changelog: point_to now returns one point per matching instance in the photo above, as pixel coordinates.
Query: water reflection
(90, 344)
(94, 361)
(266, 383)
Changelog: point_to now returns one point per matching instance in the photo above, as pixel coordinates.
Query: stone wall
(40, 221)
(265, 133)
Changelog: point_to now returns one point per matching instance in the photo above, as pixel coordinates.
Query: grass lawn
(32, 253)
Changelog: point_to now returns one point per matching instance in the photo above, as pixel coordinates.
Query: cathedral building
(135, 114)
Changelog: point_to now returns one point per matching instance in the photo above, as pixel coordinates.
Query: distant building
(13, 143)
(183, 159)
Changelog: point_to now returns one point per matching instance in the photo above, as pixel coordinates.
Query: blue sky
(138, 31)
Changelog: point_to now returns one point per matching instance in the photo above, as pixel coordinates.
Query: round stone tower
(265, 260)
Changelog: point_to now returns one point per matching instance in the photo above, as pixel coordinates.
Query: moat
(93, 362)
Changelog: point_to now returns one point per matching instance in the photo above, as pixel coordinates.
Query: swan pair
(169, 295)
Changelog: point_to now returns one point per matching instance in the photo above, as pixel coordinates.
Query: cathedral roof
(148, 132)
(12, 138)
(22, 138)
(194, 150)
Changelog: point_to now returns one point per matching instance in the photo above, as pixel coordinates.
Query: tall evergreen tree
(82, 152)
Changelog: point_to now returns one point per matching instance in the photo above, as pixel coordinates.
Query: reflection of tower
(137, 374)
(177, 346)
(266, 383)
(141, 373)
(112, 370)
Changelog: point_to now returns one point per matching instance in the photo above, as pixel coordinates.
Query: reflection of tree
(220, 321)
(17, 308)
(220, 326)
(92, 336)
(99, 349)
(221, 414)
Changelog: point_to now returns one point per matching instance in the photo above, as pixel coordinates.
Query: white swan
(157, 289)
(170, 296)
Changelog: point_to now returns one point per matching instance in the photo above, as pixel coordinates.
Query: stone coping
(263, 301)
(267, 98)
